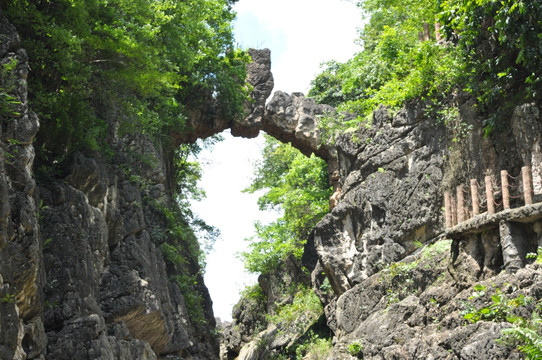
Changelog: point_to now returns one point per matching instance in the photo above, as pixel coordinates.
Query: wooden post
(474, 197)
(454, 211)
(460, 204)
(527, 185)
(489, 196)
(438, 36)
(426, 31)
(448, 209)
(505, 190)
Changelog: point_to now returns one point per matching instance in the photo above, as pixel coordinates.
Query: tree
(395, 65)
(295, 185)
(147, 60)
(501, 44)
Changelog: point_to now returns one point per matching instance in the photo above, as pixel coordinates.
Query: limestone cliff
(392, 298)
(84, 273)
(401, 282)
(86, 266)
(22, 274)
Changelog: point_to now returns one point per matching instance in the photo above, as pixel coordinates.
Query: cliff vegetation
(464, 66)
(101, 102)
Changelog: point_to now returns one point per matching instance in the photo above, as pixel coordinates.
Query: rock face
(289, 118)
(390, 173)
(415, 311)
(392, 300)
(83, 272)
(393, 173)
(22, 273)
(252, 335)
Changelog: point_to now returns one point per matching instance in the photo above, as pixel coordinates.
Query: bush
(315, 348)
(306, 307)
(298, 187)
(146, 60)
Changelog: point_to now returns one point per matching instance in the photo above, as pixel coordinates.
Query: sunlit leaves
(295, 185)
(395, 65)
(501, 45)
(146, 59)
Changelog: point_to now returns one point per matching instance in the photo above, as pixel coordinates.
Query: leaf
(497, 299)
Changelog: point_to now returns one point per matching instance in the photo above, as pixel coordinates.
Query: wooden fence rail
(457, 211)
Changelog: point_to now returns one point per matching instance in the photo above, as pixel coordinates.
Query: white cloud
(317, 31)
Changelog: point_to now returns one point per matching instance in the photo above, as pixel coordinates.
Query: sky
(301, 34)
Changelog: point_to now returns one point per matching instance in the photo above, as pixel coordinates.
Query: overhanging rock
(289, 118)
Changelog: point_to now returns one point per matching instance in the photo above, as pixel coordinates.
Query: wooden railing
(457, 211)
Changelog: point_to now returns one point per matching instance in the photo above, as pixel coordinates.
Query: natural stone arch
(289, 118)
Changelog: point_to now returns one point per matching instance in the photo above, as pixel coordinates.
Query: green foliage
(147, 60)
(254, 292)
(493, 51)
(537, 255)
(331, 125)
(501, 308)
(394, 66)
(500, 43)
(398, 273)
(7, 299)
(525, 335)
(187, 174)
(172, 254)
(46, 243)
(185, 259)
(449, 115)
(398, 269)
(8, 101)
(315, 348)
(397, 277)
(403, 269)
(298, 187)
(179, 243)
(355, 348)
(192, 297)
(306, 307)
(184, 255)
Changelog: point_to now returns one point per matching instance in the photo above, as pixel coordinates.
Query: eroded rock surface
(82, 274)
(21, 267)
(416, 312)
(109, 294)
(393, 174)
(288, 117)
(391, 171)
(252, 335)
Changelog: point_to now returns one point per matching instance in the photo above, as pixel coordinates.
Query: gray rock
(21, 266)
(388, 182)
(82, 275)
(288, 117)
(259, 76)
